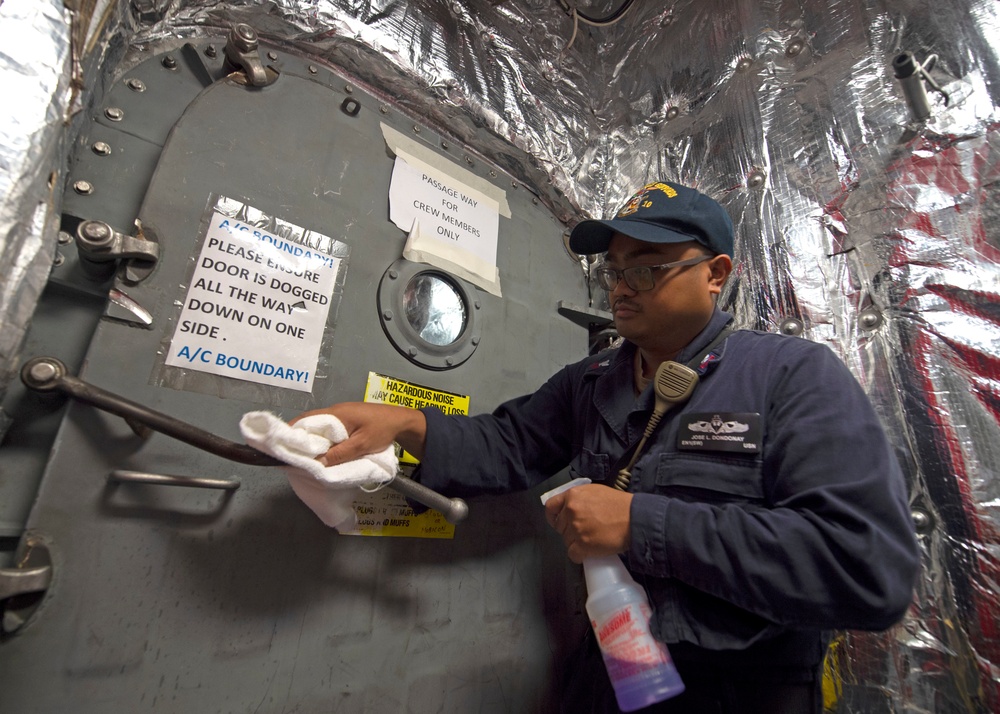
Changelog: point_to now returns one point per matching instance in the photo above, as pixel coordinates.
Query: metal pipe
(910, 74)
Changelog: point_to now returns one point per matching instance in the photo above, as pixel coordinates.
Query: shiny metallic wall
(858, 225)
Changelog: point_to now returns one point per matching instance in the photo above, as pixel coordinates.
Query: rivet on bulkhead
(791, 326)
(870, 319)
(794, 47)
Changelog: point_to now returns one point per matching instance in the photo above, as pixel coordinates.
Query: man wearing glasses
(763, 511)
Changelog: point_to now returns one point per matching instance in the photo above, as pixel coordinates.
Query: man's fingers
(553, 508)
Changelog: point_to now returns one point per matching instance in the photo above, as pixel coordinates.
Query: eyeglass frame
(604, 272)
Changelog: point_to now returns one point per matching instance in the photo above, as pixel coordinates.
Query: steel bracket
(22, 588)
(242, 52)
(99, 243)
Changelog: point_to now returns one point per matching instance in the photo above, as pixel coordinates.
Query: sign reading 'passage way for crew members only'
(256, 307)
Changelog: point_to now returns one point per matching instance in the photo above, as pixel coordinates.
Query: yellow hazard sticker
(385, 512)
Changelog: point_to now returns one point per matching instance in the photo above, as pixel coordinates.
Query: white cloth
(328, 490)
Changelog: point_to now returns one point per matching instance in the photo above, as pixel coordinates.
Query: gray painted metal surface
(169, 599)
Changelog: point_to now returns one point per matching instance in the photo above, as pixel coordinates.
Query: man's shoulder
(773, 346)
(599, 362)
(775, 340)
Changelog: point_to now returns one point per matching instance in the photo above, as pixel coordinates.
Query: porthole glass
(434, 309)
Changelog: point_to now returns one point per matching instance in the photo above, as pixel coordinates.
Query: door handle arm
(47, 374)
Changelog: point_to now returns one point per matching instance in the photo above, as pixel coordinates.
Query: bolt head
(101, 148)
(43, 372)
(84, 188)
(96, 232)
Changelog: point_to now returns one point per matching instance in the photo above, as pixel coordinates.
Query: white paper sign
(450, 225)
(256, 308)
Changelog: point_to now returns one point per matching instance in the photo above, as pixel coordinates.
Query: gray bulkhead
(172, 599)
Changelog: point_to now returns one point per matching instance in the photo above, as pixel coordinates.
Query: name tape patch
(720, 431)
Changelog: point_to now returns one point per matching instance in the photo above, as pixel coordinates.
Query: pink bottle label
(629, 649)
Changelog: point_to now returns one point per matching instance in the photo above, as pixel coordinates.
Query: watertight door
(170, 599)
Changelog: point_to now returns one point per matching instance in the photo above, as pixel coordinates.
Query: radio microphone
(673, 384)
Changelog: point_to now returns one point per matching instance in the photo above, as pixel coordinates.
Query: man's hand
(592, 519)
(371, 428)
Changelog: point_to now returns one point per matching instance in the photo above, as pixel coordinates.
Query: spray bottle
(639, 665)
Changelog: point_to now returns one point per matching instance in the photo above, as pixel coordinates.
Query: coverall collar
(614, 394)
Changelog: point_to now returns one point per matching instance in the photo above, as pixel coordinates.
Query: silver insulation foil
(35, 74)
(860, 224)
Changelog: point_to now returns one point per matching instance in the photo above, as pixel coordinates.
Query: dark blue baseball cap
(660, 212)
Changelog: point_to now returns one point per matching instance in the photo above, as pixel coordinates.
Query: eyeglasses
(641, 276)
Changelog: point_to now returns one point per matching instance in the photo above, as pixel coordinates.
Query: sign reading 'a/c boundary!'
(256, 308)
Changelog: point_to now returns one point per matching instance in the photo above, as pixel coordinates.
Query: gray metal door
(171, 599)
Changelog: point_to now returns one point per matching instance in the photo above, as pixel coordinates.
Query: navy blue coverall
(768, 510)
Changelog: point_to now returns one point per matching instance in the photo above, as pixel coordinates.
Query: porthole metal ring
(405, 337)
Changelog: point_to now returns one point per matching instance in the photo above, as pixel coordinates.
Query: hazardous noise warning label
(385, 512)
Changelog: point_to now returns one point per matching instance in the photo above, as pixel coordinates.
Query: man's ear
(720, 267)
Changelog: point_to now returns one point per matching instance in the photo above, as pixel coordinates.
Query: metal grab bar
(124, 476)
(47, 374)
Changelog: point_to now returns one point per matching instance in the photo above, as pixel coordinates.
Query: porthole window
(434, 308)
(429, 315)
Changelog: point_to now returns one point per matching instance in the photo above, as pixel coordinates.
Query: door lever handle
(47, 374)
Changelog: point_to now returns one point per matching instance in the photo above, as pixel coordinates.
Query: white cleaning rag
(328, 490)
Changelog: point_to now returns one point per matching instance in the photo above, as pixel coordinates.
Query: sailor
(764, 511)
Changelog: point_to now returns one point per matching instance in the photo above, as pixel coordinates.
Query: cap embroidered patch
(639, 200)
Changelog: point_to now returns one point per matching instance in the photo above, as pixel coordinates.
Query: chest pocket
(712, 479)
(587, 464)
